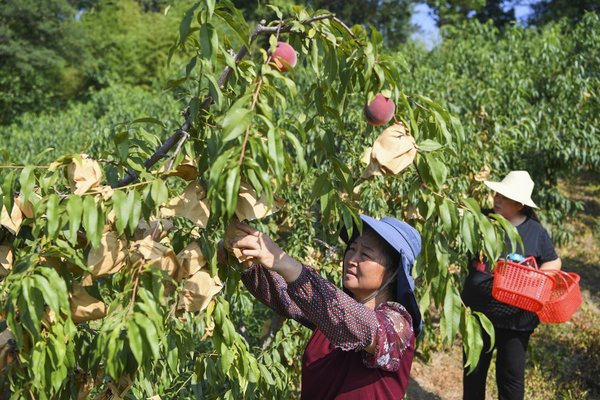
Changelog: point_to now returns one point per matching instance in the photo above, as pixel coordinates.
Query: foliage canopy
(299, 135)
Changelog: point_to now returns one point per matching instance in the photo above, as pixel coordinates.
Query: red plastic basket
(564, 300)
(521, 285)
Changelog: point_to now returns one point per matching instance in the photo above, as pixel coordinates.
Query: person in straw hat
(363, 338)
(512, 326)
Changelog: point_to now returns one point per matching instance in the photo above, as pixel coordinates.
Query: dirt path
(440, 379)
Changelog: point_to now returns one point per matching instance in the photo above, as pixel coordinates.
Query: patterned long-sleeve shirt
(347, 324)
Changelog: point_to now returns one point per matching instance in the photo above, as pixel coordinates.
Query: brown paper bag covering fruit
(392, 152)
(84, 174)
(187, 169)
(155, 253)
(192, 204)
(250, 207)
(7, 350)
(199, 290)
(483, 174)
(156, 229)
(191, 260)
(109, 257)
(85, 307)
(11, 221)
(27, 207)
(6, 259)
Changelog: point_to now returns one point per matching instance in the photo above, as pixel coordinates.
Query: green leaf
(57, 286)
(216, 169)
(233, 17)
(472, 205)
(135, 341)
(232, 188)
(184, 27)
(429, 145)
(52, 215)
(488, 327)
(491, 242)
(511, 232)
(34, 304)
(120, 207)
(27, 181)
(122, 143)
(437, 169)
(468, 233)
(228, 332)
(444, 212)
(210, 7)
(264, 372)
(235, 123)
(149, 120)
(452, 311)
(475, 342)
(214, 90)
(75, 212)
(321, 186)
(91, 221)
(136, 210)
(149, 333)
(114, 359)
(298, 148)
(227, 358)
(159, 192)
(49, 295)
(7, 185)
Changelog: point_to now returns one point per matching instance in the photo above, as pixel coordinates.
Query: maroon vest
(330, 373)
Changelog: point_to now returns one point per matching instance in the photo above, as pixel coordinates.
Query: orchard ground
(563, 359)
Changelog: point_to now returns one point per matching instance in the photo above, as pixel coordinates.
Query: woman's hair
(529, 212)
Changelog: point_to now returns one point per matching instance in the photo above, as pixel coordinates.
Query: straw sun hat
(517, 186)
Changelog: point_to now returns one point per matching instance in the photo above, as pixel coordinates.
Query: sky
(429, 33)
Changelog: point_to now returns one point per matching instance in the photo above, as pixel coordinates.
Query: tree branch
(181, 134)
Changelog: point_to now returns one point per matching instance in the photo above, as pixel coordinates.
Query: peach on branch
(284, 57)
(380, 110)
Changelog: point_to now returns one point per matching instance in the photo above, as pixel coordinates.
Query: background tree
(126, 49)
(44, 57)
(545, 11)
(501, 12)
(392, 18)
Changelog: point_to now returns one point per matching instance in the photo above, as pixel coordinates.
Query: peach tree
(111, 285)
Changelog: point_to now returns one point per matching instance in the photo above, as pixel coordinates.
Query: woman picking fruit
(363, 338)
(512, 326)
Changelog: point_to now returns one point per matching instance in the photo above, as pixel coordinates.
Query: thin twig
(247, 134)
(184, 137)
(329, 247)
(159, 154)
(16, 166)
(339, 21)
(136, 282)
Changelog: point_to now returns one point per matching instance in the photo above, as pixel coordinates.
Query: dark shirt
(477, 290)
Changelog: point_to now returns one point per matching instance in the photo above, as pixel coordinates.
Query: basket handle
(530, 261)
(563, 275)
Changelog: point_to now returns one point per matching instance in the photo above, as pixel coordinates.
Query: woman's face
(506, 207)
(364, 265)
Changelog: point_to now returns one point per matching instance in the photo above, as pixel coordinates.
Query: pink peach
(380, 111)
(284, 57)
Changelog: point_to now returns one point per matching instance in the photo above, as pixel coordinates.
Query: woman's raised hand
(257, 248)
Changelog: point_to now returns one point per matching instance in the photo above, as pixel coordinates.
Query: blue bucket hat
(406, 240)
